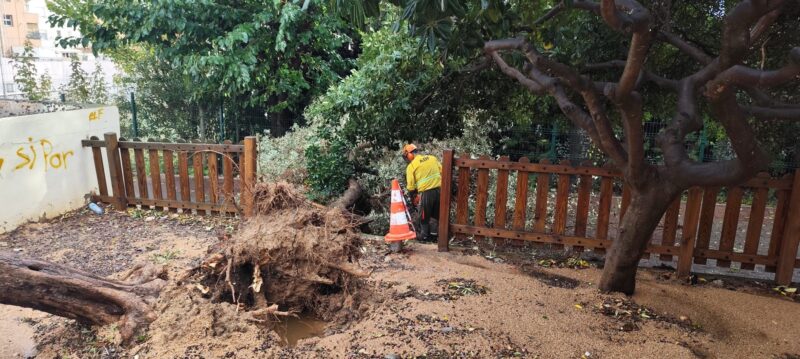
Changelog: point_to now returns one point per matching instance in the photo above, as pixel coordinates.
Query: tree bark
(74, 294)
(349, 197)
(641, 218)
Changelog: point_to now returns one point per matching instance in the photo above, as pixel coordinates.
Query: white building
(26, 20)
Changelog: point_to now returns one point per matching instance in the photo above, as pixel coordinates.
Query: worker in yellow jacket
(423, 180)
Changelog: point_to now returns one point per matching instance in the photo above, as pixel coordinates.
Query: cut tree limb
(74, 294)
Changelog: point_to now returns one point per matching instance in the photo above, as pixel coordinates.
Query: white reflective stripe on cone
(397, 197)
(398, 218)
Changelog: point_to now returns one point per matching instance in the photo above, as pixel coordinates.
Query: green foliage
(328, 168)
(163, 96)
(377, 102)
(283, 158)
(26, 76)
(98, 92)
(275, 54)
(77, 89)
(45, 85)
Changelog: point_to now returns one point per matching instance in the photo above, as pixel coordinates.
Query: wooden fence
(687, 231)
(195, 176)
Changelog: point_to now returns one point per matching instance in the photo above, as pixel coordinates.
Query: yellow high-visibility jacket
(423, 173)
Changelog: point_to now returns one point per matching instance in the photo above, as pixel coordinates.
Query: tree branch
(743, 76)
(607, 141)
(550, 14)
(767, 113)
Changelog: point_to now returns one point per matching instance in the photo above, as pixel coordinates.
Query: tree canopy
(274, 55)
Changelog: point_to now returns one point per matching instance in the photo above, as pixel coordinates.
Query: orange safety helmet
(408, 151)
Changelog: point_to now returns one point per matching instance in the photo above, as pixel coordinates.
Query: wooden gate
(686, 233)
(203, 177)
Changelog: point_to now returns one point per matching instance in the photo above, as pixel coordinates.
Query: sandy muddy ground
(421, 304)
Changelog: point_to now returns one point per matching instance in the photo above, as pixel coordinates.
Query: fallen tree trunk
(74, 294)
(349, 197)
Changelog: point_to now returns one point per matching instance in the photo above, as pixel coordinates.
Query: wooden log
(74, 294)
(730, 223)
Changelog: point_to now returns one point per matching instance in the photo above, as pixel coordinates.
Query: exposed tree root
(293, 254)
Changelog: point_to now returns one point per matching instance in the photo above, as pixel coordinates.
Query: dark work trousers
(429, 208)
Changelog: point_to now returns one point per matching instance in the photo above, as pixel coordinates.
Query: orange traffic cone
(398, 224)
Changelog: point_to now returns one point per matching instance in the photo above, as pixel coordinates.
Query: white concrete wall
(44, 171)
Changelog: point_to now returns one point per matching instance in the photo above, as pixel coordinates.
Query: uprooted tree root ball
(294, 256)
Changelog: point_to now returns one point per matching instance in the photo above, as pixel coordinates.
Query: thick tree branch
(764, 23)
(550, 14)
(607, 141)
(743, 76)
(767, 113)
(631, 112)
(684, 46)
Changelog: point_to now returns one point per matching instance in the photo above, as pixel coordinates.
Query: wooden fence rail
(585, 210)
(145, 174)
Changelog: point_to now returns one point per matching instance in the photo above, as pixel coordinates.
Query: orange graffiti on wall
(50, 159)
(95, 115)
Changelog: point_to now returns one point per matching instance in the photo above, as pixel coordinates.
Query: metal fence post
(222, 122)
(133, 115)
(553, 139)
(701, 150)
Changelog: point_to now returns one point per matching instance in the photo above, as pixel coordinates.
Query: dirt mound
(293, 256)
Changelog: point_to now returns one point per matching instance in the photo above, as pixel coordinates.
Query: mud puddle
(293, 329)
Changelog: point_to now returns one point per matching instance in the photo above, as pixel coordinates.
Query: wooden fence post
(120, 202)
(691, 218)
(445, 193)
(249, 175)
(788, 250)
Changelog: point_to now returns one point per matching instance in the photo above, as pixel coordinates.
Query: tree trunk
(349, 197)
(78, 295)
(641, 219)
